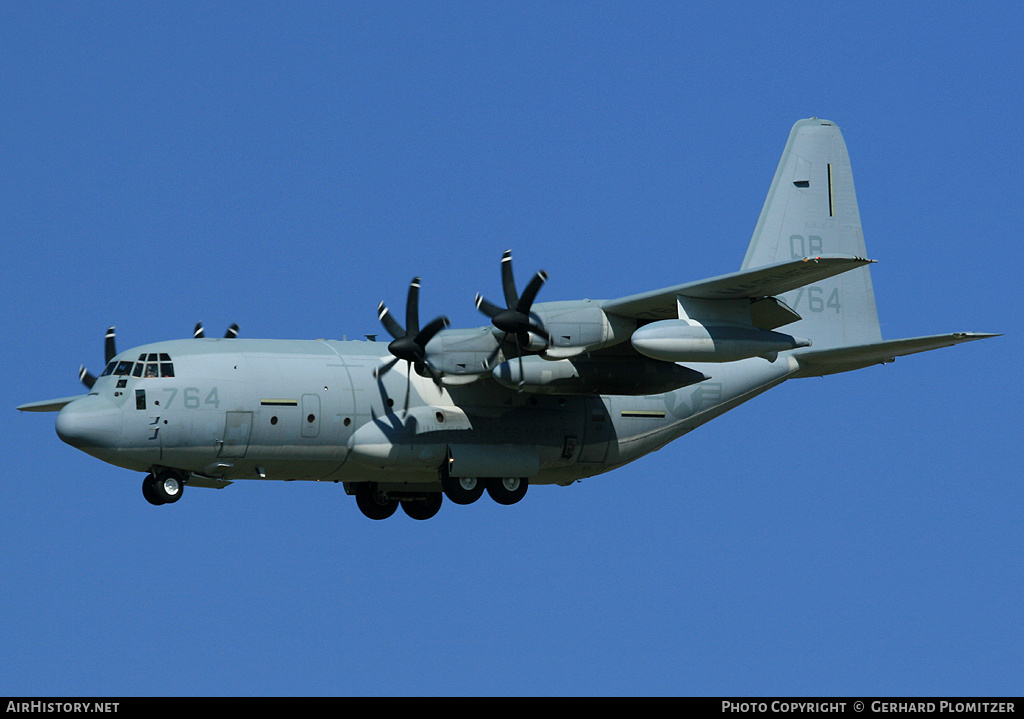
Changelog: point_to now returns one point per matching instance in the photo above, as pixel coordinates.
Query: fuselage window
(152, 370)
(137, 371)
(140, 399)
(109, 369)
(124, 367)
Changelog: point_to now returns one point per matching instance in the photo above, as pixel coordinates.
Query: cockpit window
(149, 365)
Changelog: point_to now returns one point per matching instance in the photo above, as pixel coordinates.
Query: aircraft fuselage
(546, 393)
(313, 410)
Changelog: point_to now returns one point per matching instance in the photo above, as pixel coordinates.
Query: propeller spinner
(515, 317)
(410, 342)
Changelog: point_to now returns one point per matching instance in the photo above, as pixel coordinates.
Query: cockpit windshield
(152, 364)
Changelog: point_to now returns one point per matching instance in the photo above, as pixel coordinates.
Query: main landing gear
(164, 487)
(377, 504)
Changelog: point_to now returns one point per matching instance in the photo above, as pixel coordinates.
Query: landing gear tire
(463, 490)
(168, 487)
(373, 504)
(507, 490)
(423, 508)
(149, 490)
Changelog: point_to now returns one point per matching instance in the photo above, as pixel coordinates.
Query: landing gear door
(237, 428)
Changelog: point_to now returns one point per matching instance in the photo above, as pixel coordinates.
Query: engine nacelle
(689, 341)
(535, 343)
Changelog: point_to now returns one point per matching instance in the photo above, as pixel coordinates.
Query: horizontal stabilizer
(745, 284)
(49, 405)
(817, 363)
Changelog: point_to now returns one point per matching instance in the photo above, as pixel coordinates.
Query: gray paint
(579, 403)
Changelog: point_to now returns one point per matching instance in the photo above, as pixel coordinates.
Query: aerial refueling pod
(690, 341)
(579, 376)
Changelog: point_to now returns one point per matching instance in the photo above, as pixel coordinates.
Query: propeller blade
(390, 324)
(385, 368)
(199, 332)
(410, 342)
(434, 374)
(508, 283)
(87, 378)
(412, 308)
(519, 351)
(489, 362)
(515, 317)
(530, 294)
(110, 346)
(433, 327)
(488, 308)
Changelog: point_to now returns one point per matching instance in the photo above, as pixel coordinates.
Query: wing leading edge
(49, 405)
(752, 284)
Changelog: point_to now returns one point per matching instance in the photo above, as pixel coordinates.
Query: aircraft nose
(91, 424)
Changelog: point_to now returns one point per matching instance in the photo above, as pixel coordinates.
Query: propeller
(410, 342)
(109, 350)
(198, 333)
(515, 317)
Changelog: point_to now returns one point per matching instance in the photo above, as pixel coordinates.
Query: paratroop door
(237, 428)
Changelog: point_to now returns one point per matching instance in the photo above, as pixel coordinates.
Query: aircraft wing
(817, 363)
(752, 284)
(49, 405)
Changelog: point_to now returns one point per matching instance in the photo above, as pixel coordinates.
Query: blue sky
(287, 166)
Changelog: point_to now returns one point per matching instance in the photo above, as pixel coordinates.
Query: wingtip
(969, 336)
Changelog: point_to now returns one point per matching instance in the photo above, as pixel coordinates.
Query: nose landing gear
(164, 487)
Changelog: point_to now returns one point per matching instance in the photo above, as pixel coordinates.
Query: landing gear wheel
(149, 490)
(507, 490)
(168, 487)
(374, 504)
(423, 508)
(463, 490)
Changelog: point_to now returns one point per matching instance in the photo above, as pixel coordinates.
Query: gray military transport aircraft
(547, 393)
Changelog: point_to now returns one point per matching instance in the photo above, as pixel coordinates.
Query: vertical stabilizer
(811, 210)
